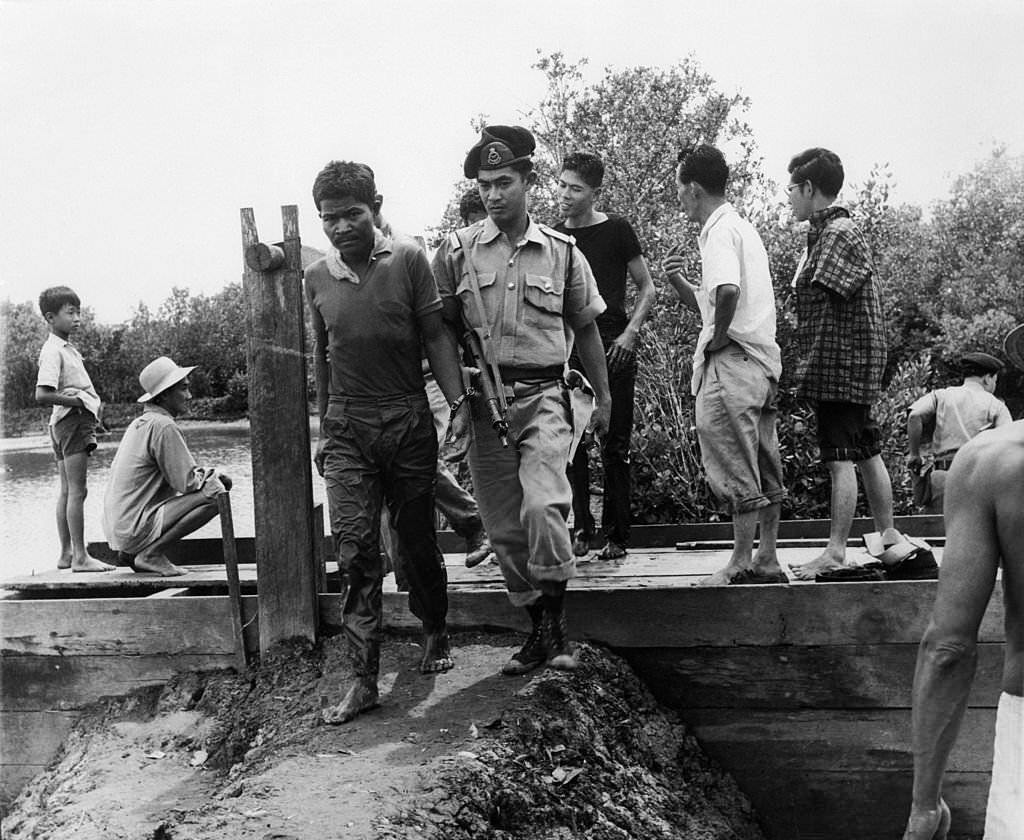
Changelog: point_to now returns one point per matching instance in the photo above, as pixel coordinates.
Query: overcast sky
(132, 132)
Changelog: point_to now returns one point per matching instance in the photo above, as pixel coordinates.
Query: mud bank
(468, 754)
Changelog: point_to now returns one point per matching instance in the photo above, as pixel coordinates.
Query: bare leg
(743, 527)
(63, 532)
(766, 561)
(182, 516)
(75, 467)
(878, 489)
(844, 503)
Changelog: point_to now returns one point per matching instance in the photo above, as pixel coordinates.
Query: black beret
(982, 362)
(1013, 346)
(498, 146)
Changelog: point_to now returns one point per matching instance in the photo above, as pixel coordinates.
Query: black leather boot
(533, 654)
(560, 653)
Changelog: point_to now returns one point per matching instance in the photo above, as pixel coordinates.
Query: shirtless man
(985, 531)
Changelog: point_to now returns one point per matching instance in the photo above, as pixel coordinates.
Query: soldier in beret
(956, 414)
(528, 293)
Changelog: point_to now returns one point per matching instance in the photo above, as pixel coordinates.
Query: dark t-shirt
(369, 332)
(608, 246)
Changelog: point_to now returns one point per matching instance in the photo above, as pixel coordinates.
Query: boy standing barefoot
(64, 384)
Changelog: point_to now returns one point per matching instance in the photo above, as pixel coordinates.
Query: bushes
(668, 481)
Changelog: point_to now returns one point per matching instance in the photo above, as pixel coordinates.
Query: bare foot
(90, 564)
(437, 653)
(157, 564)
(826, 562)
(360, 698)
(65, 561)
(722, 577)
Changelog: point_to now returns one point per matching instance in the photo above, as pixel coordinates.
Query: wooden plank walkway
(801, 691)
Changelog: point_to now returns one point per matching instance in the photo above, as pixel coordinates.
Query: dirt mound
(467, 754)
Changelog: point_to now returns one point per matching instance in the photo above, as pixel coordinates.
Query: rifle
(491, 386)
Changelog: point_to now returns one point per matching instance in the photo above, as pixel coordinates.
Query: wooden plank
(813, 614)
(227, 528)
(811, 741)
(69, 683)
(279, 430)
(196, 551)
(794, 676)
(117, 627)
(169, 593)
(866, 806)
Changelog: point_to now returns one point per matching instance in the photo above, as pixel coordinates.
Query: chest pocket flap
(545, 292)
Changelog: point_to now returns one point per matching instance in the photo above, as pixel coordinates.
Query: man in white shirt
(736, 366)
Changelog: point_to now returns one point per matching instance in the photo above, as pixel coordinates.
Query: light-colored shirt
(152, 465)
(731, 253)
(532, 298)
(61, 368)
(960, 413)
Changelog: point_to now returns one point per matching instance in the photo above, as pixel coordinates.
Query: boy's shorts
(847, 432)
(73, 433)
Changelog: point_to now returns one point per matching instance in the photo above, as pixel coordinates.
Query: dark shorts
(847, 432)
(73, 433)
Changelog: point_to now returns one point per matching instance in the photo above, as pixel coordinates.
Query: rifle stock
(488, 386)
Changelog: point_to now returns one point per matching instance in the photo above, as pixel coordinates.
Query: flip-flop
(869, 571)
(611, 551)
(748, 577)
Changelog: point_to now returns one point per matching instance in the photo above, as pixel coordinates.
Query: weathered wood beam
(279, 430)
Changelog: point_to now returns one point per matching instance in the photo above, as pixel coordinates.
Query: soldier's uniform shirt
(533, 298)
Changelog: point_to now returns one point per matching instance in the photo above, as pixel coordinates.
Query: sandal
(612, 551)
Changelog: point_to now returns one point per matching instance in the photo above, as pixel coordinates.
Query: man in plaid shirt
(841, 335)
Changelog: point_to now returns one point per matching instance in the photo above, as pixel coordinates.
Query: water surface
(28, 492)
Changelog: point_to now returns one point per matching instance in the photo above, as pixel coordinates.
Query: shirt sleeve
(441, 266)
(172, 456)
(49, 367)
(582, 301)
(629, 243)
(425, 297)
(843, 265)
(1000, 414)
(720, 262)
(925, 406)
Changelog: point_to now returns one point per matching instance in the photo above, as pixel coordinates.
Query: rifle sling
(485, 341)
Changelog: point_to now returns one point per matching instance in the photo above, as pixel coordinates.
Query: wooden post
(227, 531)
(279, 429)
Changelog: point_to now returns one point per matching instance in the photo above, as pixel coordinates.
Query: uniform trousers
(522, 491)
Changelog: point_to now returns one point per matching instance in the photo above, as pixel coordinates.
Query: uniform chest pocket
(467, 298)
(545, 293)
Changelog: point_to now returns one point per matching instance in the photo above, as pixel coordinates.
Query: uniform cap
(1013, 346)
(981, 361)
(499, 146)
(159, 375)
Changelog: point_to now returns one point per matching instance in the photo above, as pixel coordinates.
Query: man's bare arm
(948, 654)
(591, 352)
(622, 349)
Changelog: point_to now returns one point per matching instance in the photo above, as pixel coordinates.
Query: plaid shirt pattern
(840, 326)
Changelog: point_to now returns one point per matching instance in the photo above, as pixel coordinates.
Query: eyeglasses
(791, 187)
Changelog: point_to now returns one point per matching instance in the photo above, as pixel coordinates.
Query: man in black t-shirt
(611, 247)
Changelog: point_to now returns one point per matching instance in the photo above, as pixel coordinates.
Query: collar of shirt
(153, 408)
(491, 231)
(340, 270)
(53, 338)
(819, 218)
(713, 219)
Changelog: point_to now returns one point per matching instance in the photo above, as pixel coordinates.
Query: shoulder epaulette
(557, 234)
